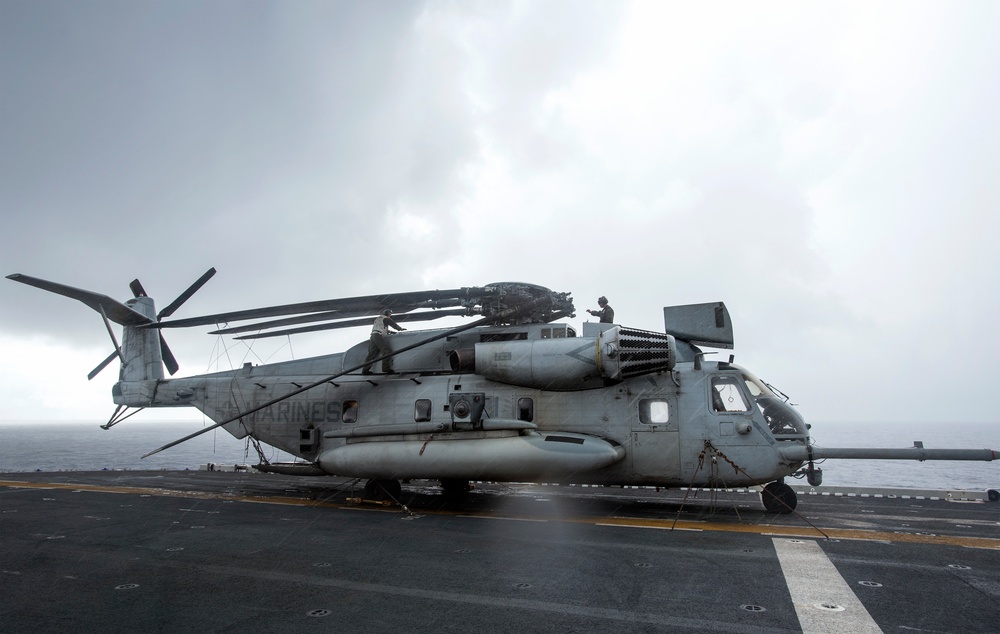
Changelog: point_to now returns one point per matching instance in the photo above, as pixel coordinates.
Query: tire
(778, 497)
(455, 486)
(381, 490)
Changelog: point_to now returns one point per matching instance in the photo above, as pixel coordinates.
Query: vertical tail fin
(142, 358)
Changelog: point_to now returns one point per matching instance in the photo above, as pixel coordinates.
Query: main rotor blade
(448, 333)
(350, 323)
(186, 295)
(346, 307)
(274, 323)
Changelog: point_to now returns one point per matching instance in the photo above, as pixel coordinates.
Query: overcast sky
(829, 170)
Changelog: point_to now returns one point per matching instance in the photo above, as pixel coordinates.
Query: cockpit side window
(756, 386)
(727, 396)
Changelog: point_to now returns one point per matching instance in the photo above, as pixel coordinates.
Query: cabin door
(655, 437)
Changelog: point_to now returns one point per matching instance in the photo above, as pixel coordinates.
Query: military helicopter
(513, 396)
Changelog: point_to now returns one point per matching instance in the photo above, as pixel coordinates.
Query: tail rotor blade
(183, 297)
(114, 340)
(137, 289)
(169, 361)
(168, 357)
(102, 365)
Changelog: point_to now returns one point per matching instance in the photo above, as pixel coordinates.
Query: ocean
(937, 474)
(78, 446)
(84, 446)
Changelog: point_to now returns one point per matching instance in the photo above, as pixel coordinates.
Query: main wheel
(382, 490)
(778, 497)
(455, 486)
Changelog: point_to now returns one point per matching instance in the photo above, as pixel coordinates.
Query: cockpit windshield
(785, 423)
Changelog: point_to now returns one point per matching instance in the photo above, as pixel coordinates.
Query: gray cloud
(827, 170)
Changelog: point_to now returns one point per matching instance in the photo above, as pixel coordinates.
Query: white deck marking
(823, 601)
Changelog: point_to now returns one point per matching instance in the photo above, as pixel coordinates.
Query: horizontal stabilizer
(115, 310)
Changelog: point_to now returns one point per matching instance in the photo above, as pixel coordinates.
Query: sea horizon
(59, 445)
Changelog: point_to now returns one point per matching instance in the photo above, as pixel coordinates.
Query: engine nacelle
(571, 363)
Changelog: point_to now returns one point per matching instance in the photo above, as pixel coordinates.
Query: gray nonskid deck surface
(246, 552)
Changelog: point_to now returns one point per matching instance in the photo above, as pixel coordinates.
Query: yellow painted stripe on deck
(805, 531)
(624, 522)
(160, 492)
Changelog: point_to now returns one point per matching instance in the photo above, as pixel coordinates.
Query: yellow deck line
(624, 522)
(806, 531)
(163, 493)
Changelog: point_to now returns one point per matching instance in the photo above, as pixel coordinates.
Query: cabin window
(654, 411)
(525, 409)
(422, 410)
(727, 396)
(350, 414)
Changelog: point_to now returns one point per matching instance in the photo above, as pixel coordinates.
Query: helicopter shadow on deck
(550, 502)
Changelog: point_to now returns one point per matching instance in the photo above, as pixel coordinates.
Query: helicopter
(513, 396)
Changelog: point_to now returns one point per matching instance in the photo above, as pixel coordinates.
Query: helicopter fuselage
(515, 396)
(695, 424)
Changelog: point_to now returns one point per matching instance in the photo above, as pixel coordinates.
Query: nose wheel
(778, 497)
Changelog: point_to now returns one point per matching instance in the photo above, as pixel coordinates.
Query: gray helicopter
(513, 396)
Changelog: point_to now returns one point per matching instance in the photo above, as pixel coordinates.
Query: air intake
(643, 352)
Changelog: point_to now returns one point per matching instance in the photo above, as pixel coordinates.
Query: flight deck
(170, 551)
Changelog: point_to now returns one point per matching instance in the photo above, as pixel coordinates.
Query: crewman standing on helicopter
(378, 345)
(607, 313)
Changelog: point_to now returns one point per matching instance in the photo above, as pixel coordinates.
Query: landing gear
(778, 497)
(382, 490)
(455, 486)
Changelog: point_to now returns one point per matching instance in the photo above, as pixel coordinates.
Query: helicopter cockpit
(784, 422)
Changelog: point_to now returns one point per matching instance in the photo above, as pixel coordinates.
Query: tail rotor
(125, 315)
(169, 361)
